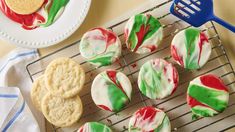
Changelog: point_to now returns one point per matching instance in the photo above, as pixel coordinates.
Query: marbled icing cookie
(111, 90)
(143, 33)
(207, 96)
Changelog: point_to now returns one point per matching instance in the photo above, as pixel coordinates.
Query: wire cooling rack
(175, 106)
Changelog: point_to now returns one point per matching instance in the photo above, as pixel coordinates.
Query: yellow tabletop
(102, 11)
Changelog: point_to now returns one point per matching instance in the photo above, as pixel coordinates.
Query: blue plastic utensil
(197, 12)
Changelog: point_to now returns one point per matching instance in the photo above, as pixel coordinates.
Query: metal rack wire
(175, 106)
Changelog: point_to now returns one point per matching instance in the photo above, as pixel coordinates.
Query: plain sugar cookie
(60, 111)
(24, 7)
(38, 91)
(64, 77)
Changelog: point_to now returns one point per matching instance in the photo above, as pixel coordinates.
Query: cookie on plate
(143, 33)
(111, 90)
(24, 7)
(207, 96)
(38, 91)
(158, 79)
(100, 47)
(64, 77)
(190, 48)
(149, 119)
(94, 127)
(62, 112)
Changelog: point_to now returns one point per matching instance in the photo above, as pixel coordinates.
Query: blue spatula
(197, 12)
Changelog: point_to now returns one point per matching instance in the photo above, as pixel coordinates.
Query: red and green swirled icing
(143, 33)
(100, 47)
(207, 96)
(190, 48)
(149, 119)
(94, 127)
(158, 79)
(44, 17)
(111, 90)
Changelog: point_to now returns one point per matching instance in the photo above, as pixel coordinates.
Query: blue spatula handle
(223, 23)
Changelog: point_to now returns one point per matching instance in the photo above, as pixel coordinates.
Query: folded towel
(15, 102)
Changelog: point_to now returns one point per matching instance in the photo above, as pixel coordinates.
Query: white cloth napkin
(15, 104)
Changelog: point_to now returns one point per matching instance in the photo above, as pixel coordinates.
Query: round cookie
(64, 77)
(111, 90)
(143, 33)
(158, 79)
(94, 127)
(24, 7)
(100, 47)
(207, 96)
(190, 48)
(38, 91)
(62, 112)
(149, 119)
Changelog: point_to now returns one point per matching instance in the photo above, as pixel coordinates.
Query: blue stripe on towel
(17, 56)
(8, 96)
(14, 117)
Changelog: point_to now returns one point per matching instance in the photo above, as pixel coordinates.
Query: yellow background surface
(102, 11)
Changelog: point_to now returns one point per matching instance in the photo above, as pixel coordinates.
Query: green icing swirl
(191, 43)
(212, 98)
(116, 96)
(150, 90)
(103, 59)
(53, 9)
(98, 127)
(151, 25)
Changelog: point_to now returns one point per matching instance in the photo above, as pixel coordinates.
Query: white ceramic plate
(72, 17)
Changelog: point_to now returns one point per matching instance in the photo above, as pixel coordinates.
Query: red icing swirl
(27, 21)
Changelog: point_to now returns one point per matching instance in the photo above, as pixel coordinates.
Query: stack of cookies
(56, 92)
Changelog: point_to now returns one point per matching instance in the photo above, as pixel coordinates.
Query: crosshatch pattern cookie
(100, 47)
(158, 79)
(60, 111)
(64, 77)
(190, 48)
(143, 33)
(94, 127)
(38, 91)
(111, 90)
(149, 119)
(207, 96)
(24, 6)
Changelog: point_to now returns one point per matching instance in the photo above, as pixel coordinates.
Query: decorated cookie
(24, 6)
(158, 79)
(207, 96)
(149, 119)
(35, 13)
(111, 90)
(143, 33)
(190, 48)
(100, 47)
(94, 127)
(38, 91)
(64, 77)
(62, 112)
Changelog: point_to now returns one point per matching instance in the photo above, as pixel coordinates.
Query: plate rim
(52, 41)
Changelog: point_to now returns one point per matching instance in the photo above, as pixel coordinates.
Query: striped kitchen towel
(16, 110)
